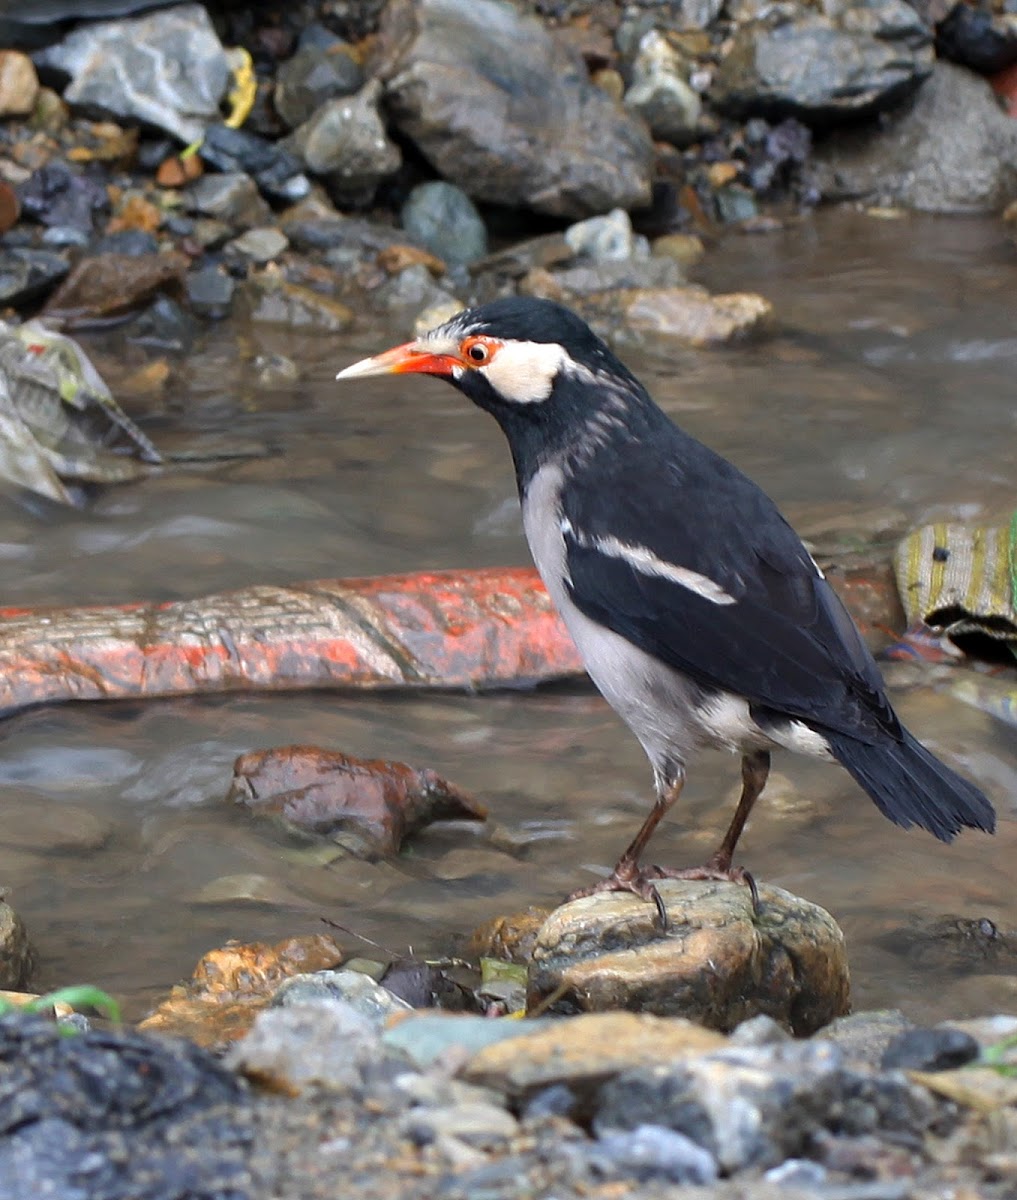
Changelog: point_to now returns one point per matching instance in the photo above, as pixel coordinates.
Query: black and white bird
(698, 612)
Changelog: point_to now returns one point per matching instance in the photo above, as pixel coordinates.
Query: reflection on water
(886, 399)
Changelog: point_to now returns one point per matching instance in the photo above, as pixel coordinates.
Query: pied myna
(698, 612)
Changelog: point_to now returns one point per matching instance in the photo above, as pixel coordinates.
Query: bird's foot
(628, 877)
(712, 870)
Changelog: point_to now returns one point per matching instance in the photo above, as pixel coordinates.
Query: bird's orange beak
(410, 358)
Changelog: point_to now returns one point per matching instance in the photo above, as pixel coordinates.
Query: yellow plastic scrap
(240, 97)
(245, 87)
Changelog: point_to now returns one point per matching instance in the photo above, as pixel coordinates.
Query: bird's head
(522, 359)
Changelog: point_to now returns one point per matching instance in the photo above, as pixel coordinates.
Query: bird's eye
(476, 350)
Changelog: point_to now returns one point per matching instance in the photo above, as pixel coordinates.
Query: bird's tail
(912, 787)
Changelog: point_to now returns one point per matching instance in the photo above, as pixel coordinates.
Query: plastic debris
(961, 582)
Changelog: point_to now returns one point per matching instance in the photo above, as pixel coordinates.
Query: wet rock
(505, 110)
(930, 1050)
(718, 963)
(56, 194)
(19, 84)
(429, 1037)
(685, 248)
(208, 232)
(276, 172)
(112, 284)
(313, 75)
(229, 986)
(445, 220)
(126, 241)
(316, 226)
(232, 197)
(945, 944)
(132, 69)
(516, 260)
(267, 299)
(435, 315)
(687, 314)
(978, 38)
(395, 259)
(427, 985)
(28, 275)
(209, 291)
(735, 204)
(118, 1114)
(245, 887)
(163, 325)
(583, 1052)
(176, 171)
(606, 239)
(824, 70)
(660, 91)
(863, 1037)
(274, 371)
(644, 273)
(10, 207)
(16, 956)
(371, 1000)
(368, 805)
(951, 149)
(476, 1122)
(412, 288)
(34, 821)
(511, 938)
(64, 235)
(757, 1106)
(260, 245)
(652, 1152)
(346, 144)
(322, 1043)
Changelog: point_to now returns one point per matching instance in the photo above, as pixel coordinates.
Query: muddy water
(888, 398)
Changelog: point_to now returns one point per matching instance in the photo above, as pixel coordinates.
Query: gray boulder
(952, 149)
(443, 218)
(506, 111)
(304, 82)
(660, 91)
(167, 69)
(824, 68)
(345, 143)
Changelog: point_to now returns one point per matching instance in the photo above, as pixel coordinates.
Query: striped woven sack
(961, 580)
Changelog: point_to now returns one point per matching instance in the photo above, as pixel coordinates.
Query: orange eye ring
(476, 351)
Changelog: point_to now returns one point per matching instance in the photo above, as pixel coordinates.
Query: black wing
(786, 643)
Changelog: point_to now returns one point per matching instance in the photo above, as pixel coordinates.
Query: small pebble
(653, 1152)
(930, 1050)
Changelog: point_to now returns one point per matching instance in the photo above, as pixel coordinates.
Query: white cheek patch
(524, 372)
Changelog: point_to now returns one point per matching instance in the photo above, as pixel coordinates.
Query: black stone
(164, 325)
(272, 168)
(930, 1050)
(111, 1115)
(29, 275)
(127, 241)
(57, 195)
(974, 37)
(210, 292)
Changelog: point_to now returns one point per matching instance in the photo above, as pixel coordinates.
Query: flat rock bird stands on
(698, 612)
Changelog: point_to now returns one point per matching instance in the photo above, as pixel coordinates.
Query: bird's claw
(709, 871)
(629, 878)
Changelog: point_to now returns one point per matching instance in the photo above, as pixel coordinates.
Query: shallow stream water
(887, 399)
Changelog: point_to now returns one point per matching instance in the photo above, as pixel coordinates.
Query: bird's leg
(755, 770)
(628, 875)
